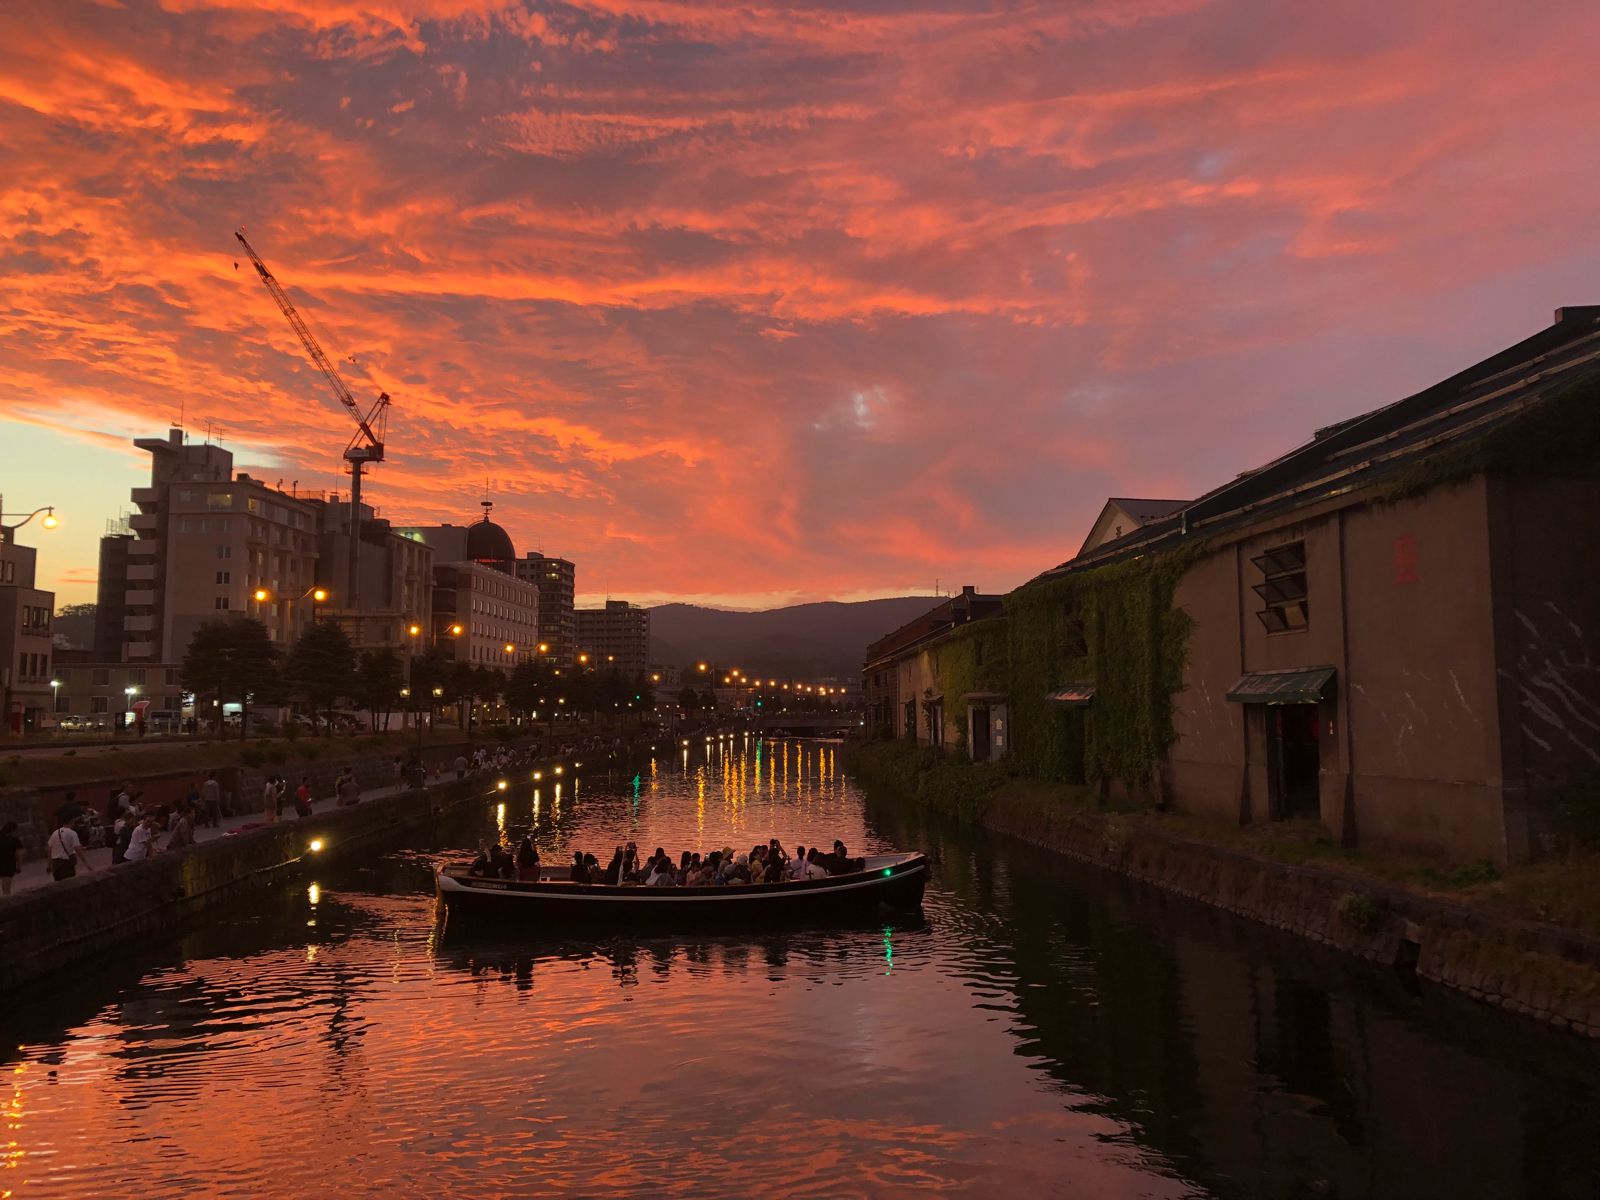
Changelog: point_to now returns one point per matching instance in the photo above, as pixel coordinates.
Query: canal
(1042, 1029)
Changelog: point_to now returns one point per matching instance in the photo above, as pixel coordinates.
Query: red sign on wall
(1406, 559)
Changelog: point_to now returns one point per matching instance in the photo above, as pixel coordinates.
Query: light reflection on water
(1039, 1029)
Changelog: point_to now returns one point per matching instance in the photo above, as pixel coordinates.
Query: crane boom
(367, 444)
(372, 449)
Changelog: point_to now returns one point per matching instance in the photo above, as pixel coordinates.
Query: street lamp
(55, 697)
(8, 532)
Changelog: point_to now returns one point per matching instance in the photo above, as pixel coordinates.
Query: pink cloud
(727, 297)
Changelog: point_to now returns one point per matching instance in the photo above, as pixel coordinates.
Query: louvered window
(1283, 589)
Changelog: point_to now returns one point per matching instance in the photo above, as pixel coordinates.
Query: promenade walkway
(35, 873)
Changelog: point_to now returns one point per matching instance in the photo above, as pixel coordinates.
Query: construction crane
(366, 446)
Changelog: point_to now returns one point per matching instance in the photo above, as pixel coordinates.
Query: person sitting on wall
(142, 841)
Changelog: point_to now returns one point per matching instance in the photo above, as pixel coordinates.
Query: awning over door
(1074, 695)
(1303, 685)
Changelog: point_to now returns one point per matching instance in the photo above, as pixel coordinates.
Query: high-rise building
(111, 601)
(616, 636)
(25, 643)
(208, 543)
(482, 613)
(556, 579)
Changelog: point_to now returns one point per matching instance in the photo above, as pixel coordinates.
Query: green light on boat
(888, 870)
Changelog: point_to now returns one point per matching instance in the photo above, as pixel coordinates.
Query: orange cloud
(729, 296)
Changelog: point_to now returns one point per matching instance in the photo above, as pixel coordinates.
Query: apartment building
(556, 579)
(616, 636)
(207, 543)
(25, 643)
(396, 575)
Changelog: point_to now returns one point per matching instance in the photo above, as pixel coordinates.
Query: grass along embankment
(1527, 941)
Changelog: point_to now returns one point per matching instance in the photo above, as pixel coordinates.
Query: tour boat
(888, 881)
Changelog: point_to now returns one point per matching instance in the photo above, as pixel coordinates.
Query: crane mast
(367, 444)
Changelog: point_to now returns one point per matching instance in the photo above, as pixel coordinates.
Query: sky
(755, 304)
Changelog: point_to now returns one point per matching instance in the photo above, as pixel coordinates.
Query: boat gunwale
(893, 868)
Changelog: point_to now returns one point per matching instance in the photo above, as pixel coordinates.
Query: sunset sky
(756, 304)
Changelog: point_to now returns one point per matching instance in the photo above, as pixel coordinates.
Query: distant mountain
(805, 641)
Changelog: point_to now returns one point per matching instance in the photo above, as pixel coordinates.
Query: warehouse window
(1283, 589)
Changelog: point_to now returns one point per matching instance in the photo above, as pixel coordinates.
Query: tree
(427, 672)
(528, 688)
(321, 666)
(379, 679)
(689, 699)
(232, 658)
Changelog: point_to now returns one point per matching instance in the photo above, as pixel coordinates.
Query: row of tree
(234, 661)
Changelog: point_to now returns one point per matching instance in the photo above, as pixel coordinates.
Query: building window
(99, 704)
(186, 496)
(136, 675)
(1283, 589)
(224, 551)
(172, 676)
(219, 500)
(224, 577)
(101, 676)
(222, 603)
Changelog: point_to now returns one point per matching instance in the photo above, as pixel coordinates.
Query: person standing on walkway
(211, 797)
(269, 801)
(10, 856)
(302, 797)
(65, 852)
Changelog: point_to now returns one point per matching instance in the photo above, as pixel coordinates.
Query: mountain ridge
(822, 640)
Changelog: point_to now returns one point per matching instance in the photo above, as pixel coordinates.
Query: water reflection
(1043, 1029)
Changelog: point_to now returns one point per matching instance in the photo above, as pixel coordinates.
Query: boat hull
(890, 883)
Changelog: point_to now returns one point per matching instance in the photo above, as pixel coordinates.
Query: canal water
(1041, 1029)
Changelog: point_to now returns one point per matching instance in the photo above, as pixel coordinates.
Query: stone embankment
(1542, 971)
(55, 926)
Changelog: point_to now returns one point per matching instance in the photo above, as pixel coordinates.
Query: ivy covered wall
(1115, 628)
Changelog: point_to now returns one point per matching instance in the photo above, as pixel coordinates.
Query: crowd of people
(770, 863)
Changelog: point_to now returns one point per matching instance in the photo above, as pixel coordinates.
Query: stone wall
(53, 927)
(1541, 971)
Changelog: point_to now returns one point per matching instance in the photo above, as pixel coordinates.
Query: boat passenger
(528, 861)
(591, 866)
(579, 873)
(663, 876)
(613, 873)
(844, 864)
(774, 871)
(480, 865)
(502, 862)
(797, 868)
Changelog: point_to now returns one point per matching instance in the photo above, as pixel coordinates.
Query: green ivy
(1131, 647)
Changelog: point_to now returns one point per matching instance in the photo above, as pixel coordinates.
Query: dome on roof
(490, 544)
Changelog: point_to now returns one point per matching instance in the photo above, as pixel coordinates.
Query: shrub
(1360, 911)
